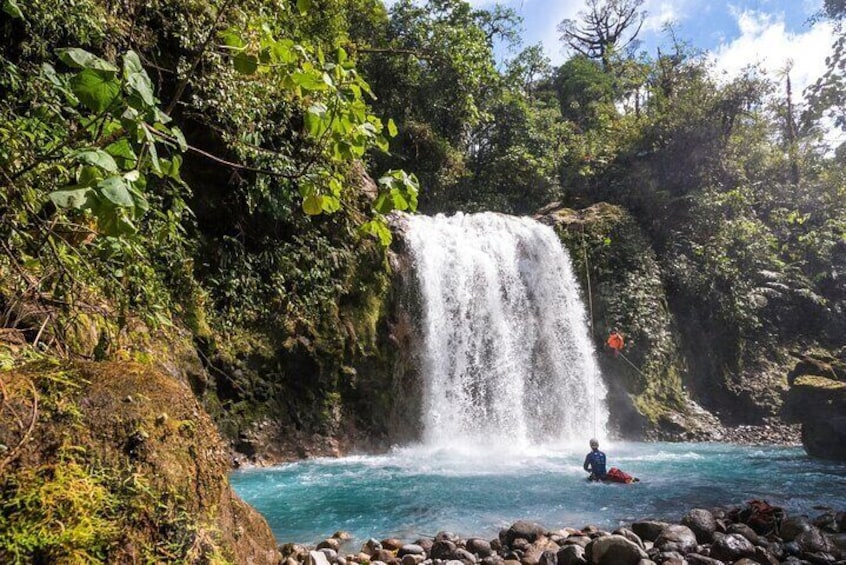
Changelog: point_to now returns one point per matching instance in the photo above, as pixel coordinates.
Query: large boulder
(529, 531)
(732, 547)
(649, 530)
(702, 523)
(614, 550)
(819, 404)
(126, 452)
(676, 538)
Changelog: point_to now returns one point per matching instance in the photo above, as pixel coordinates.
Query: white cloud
(661, 12)
(765, 41)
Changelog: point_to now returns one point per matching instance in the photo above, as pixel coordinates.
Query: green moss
(119, 466)
(820, 383)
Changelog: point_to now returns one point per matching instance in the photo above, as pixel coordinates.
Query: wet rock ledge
(755, 533)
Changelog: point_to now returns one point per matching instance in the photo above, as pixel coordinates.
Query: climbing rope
(592, 332)
(626, 359)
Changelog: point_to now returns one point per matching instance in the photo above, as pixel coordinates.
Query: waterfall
(507, 359)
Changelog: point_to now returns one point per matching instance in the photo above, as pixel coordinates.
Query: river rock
(521, 544)
(731, 548)
(793, 526)
(447, 536)
(697, 559)
(464, 556)
(410, 549)
(442, 549)
(425, 543)
(577, 540)
(412, 559)
(646, 562)
(745, 531)
(479, 546)
(671, 558)
(819, 404)
(384, 555)
(316, 558)
(548, 557)
(391, 544)
(765, 556)
(371, 546)
(492, 560)
(330, 554)
(523, 529)
(631, 536)
(814, 541)
(572, 555)
(702, 523)
(649, 529)
(342, 536)
(331, 543)
(614, 550)
(676, 538)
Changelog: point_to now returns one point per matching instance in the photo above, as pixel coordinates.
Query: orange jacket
(615, 341)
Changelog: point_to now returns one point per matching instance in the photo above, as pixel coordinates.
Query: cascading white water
(507, 358)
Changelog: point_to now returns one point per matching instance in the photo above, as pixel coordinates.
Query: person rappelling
(615, 342)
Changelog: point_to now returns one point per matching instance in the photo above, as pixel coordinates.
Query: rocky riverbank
(746, 535)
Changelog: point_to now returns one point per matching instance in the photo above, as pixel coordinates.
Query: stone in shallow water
(342, 535)
(631, 536)
(746, 532)
(391, 544)
(371, 546)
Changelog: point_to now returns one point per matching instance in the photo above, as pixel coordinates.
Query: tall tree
(605, 27)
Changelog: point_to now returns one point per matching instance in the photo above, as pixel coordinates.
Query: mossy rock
(819, 404)
(116, 463)
(622, 283)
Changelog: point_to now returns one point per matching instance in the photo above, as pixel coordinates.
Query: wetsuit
(595, 463)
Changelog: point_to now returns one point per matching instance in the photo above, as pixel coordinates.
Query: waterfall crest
(507, 358)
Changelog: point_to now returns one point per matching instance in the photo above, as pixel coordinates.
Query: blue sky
(737, 33)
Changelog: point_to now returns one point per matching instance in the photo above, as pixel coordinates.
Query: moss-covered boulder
(116, 463)
(819, 404)
(623, 287)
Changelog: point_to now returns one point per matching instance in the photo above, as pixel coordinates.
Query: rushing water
(507, 358)
(416, 491)
(510, 385)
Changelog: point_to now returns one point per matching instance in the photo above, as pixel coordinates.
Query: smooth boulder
(702, 523)
(732, 547)
(676, 538)
(614, 550)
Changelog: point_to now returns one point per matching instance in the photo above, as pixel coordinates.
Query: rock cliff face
(817, 400)
(117, 463)
(622, 282)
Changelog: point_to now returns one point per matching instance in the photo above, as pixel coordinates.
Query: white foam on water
(508, 364)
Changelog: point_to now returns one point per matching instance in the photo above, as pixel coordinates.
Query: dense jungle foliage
(205, 165)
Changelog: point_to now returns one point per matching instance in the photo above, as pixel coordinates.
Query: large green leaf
(303, 6)
(137, 81)
(82, 59)
(74, 198)
(98, 158)
(313, 204)
(115, 190)
(96, 89)
(245, 63)
(309, 80)
(123, 153)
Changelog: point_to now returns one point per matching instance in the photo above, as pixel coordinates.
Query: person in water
(595, 462)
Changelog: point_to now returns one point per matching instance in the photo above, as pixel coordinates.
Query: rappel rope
(626, 359)
(592, 332)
